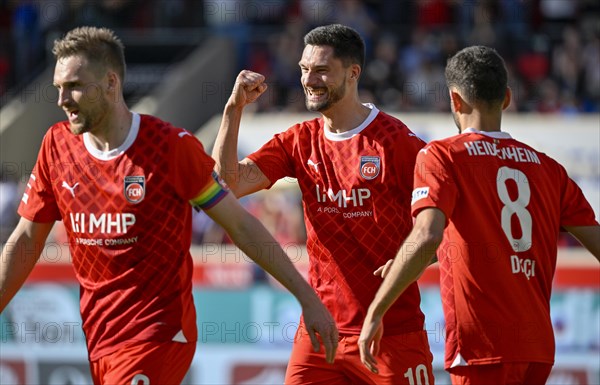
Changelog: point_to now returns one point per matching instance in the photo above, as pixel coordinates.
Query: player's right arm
(243, 177)
(19, 255)
(588, 236)
(414, 256)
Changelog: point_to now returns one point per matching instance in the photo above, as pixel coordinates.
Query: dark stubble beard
(335, 95)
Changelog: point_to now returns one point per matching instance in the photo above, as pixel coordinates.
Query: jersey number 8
(515, 207)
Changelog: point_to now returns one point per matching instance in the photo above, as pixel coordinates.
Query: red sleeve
(191, 167)
(575, 209)
(433, 182)
(38, 203)
(275, 158)
(405, 155)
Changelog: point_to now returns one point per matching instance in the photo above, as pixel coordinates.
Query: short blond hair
(100, 46)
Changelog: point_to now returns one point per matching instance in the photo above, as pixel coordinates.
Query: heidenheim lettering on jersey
(516, 154)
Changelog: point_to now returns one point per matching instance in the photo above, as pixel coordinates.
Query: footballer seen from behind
(492, 207)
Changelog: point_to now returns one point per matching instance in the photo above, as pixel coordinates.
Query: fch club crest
(369, 167)
(135, 188)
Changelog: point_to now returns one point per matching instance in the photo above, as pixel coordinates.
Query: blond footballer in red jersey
(108, 202)
(354, 166)
(124, 186)
(495, 207)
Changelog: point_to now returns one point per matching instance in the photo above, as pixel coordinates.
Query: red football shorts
(144, 363)
(401, 359)
(508, 373)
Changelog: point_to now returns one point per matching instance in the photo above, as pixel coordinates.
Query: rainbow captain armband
(210, 195)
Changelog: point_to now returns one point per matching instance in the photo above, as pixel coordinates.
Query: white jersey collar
(115, 152)
(355, 131)
(491, 134)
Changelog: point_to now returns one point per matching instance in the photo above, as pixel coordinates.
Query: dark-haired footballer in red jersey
(356, 195)
(505, 203)
(354, 166)
(493, 208)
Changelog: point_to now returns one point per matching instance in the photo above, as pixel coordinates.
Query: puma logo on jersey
(313, 165)
(71, 189)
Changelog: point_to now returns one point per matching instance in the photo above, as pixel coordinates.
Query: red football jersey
(128, 218)
(356, 190)
(505, 203)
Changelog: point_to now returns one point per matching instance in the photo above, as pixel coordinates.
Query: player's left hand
(385, 269)
(369, 340)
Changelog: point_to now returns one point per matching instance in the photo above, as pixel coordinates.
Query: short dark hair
(100, 46)
(479, 73)
(347, 44)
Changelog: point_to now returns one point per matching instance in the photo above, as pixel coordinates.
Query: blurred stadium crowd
(552, 48)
